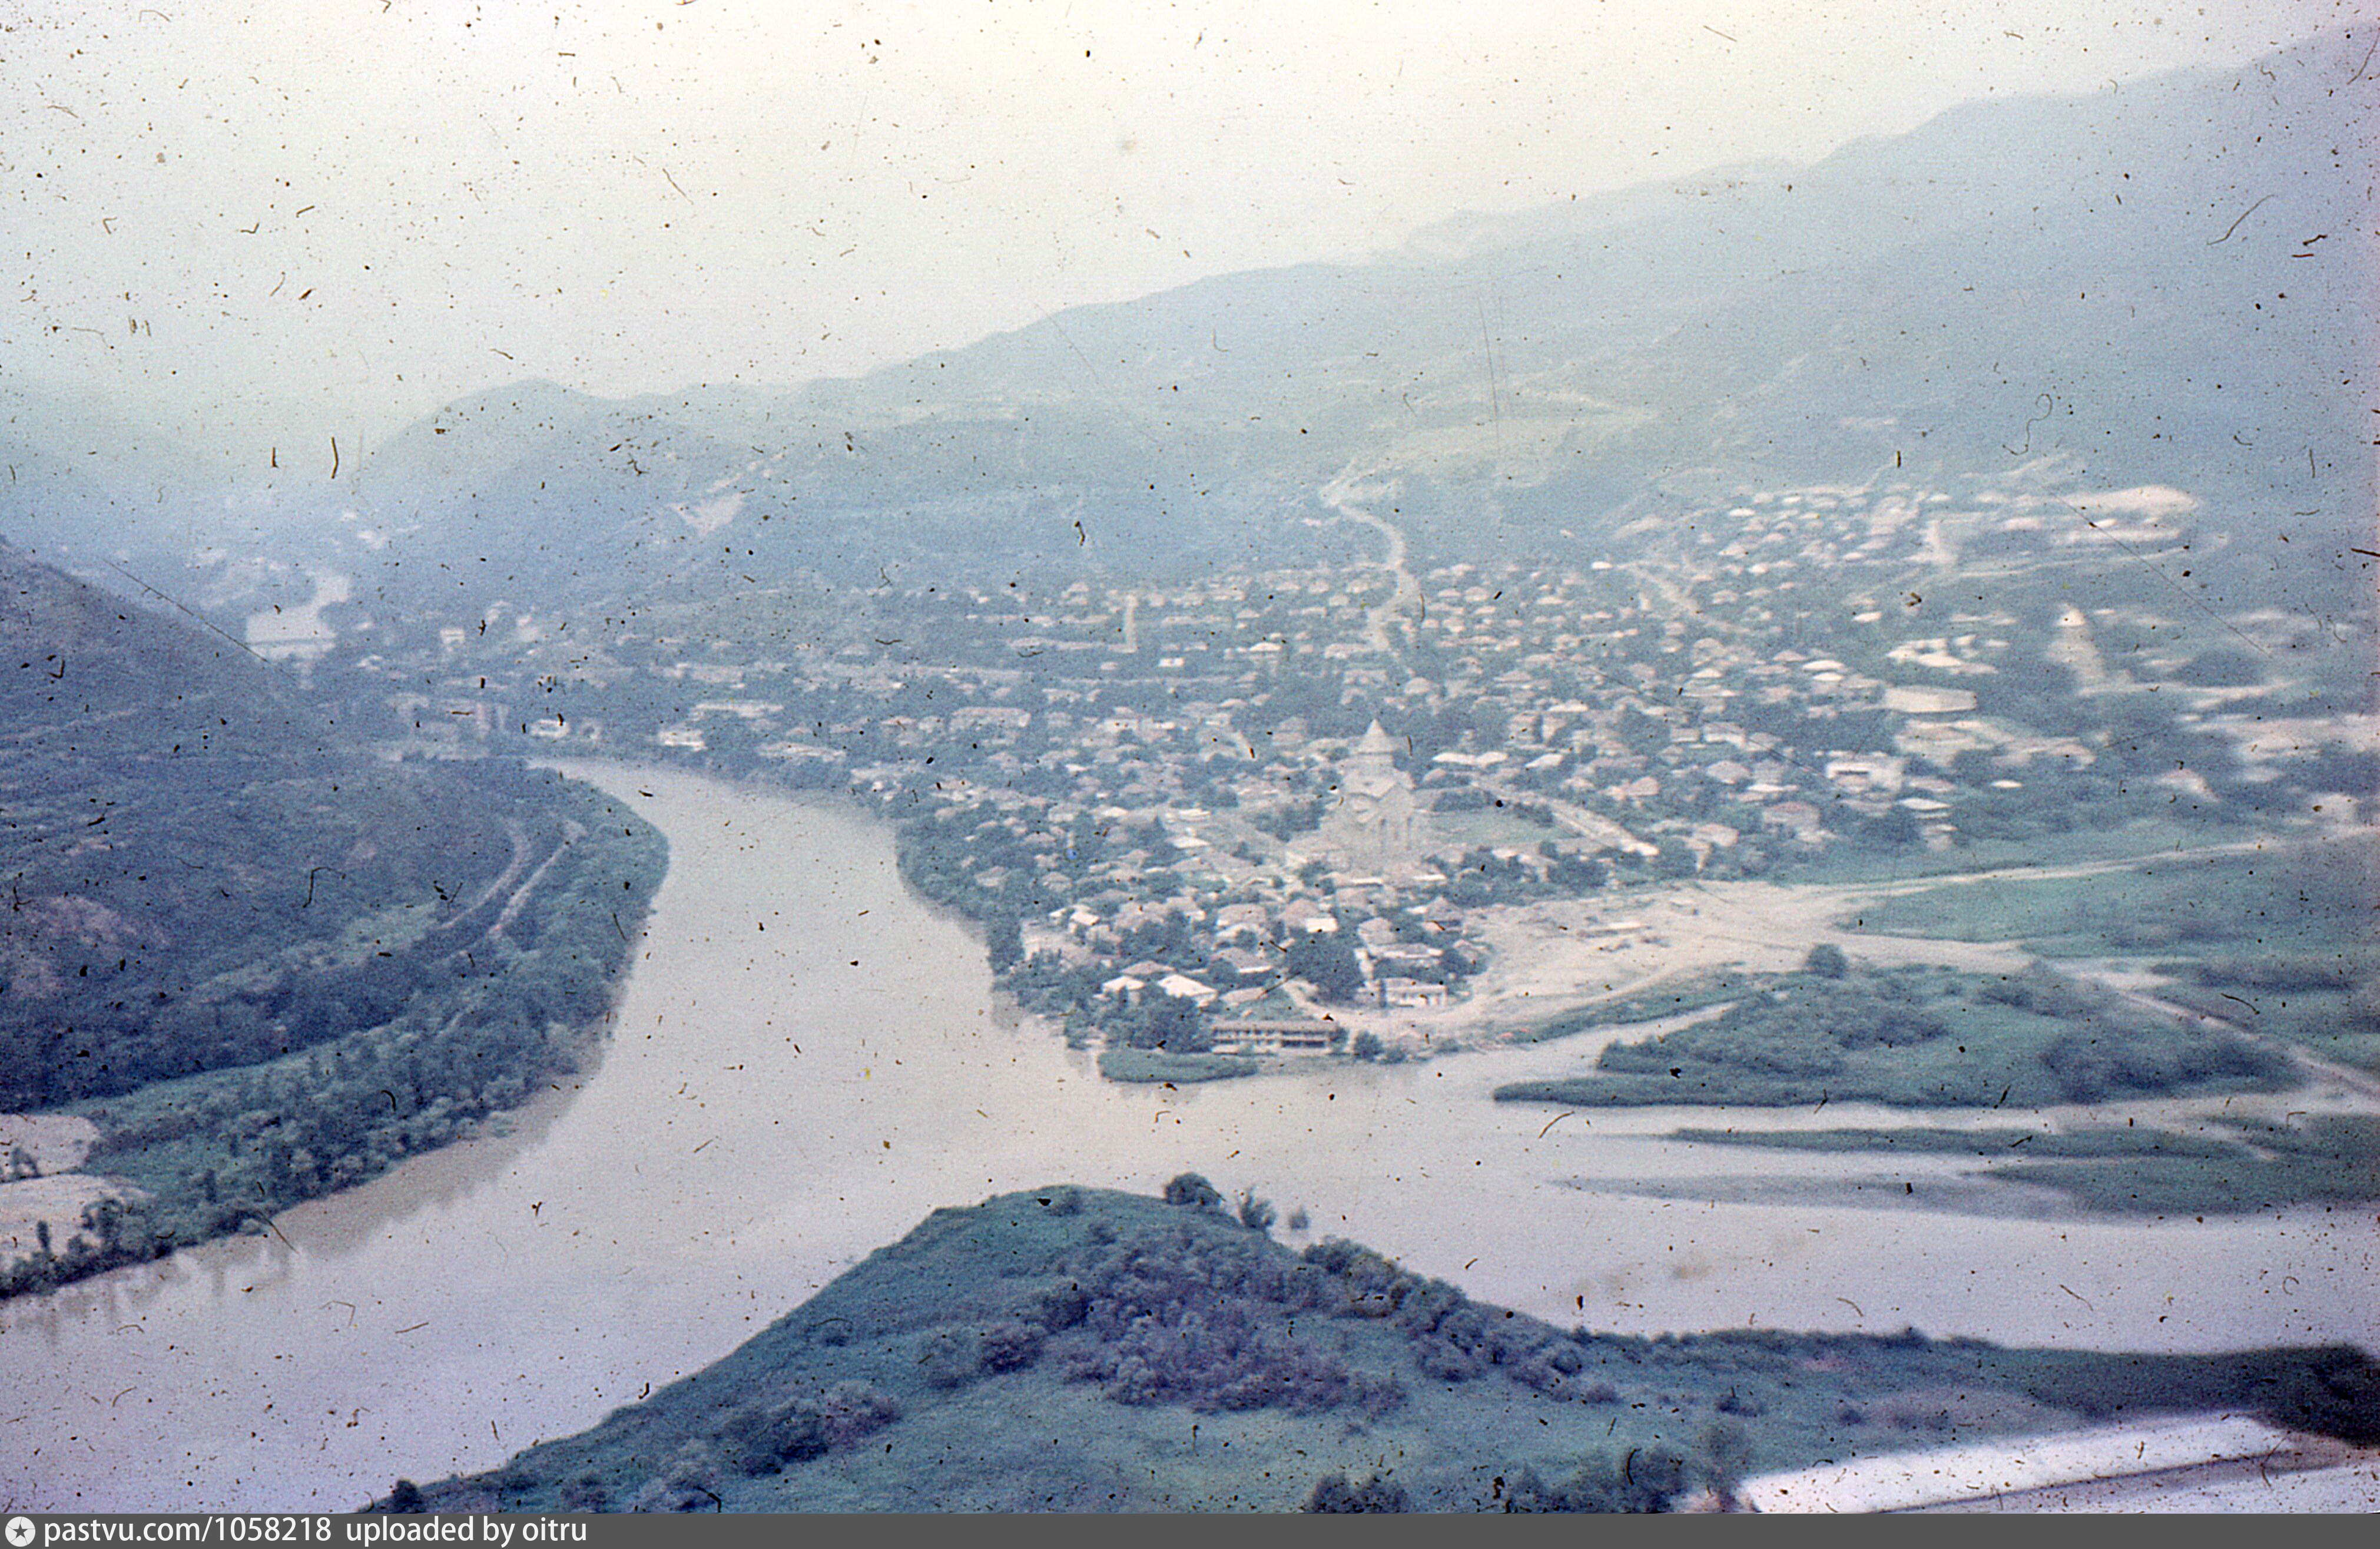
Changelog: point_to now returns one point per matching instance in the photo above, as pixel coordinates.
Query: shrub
(1190, 1189)
(588, 1493)
(689, 1484)
(1057, 1308)
(761, 1439)
(853, 1408)
(1446, 1363)
(1333, 1493)
(1643, 1479)
(952, 1359)
(1010, 1345)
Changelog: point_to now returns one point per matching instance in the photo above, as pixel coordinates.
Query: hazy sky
(268, 222)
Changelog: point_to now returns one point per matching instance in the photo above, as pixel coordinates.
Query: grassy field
(2141, 839)
(1997, 1145)
(2277, 941)
(1918, 1039)
(1081, 1349)
(2330, 1159)
(2309, 896)
(2044, 912)
(2329, 1022)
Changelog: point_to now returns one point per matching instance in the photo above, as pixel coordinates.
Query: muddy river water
(808, 1059)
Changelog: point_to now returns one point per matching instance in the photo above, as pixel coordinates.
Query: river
(808, 1059)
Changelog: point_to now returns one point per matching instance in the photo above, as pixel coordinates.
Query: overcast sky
(267, 222)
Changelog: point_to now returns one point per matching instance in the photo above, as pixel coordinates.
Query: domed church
(1374, 823)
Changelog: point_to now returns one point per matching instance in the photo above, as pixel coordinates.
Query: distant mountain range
(2166, 282)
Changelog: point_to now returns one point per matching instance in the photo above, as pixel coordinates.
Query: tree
(1896, 827)
(1722, 1454)
(1640, 733)
(1190, 1189)
(1827, 960)
(105, 1218)
(1004, 941)
(1488, 718)
(1326, 963)
(1333, 1493)
(1256, 1214)
(1169, 1022)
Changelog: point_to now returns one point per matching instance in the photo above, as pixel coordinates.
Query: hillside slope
(1083, 1349)
(256, 955)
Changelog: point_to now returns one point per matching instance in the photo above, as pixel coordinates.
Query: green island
(1919, 1038)
(2328, 1159)
(1073, 1348)
(1151, 1065)
(1695, 994)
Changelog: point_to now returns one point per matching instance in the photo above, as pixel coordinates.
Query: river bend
(807, 1059)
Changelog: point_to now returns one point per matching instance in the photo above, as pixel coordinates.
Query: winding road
(1340, 494)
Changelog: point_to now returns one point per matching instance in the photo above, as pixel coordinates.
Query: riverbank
(399, 1039)
(805, 1060)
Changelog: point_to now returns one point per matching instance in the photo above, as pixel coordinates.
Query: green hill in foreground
(1083, 1349)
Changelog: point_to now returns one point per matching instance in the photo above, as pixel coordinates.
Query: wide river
(808, 1059)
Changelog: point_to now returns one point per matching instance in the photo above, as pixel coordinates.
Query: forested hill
(87, 675)
(151, 774)
(206, 880)
(1080, 1350)
(176, 818)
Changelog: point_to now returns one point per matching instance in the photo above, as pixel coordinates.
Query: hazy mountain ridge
(2011, 281)
(77, 480)
(87, 662)
(2161, 283)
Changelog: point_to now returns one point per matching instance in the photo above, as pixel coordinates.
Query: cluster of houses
(1741, 686)
(1245, 945)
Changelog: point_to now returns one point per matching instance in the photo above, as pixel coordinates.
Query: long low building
(2021, 1473)
(1275, 1036)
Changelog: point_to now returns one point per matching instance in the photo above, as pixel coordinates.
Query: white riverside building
(2027, 1473)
